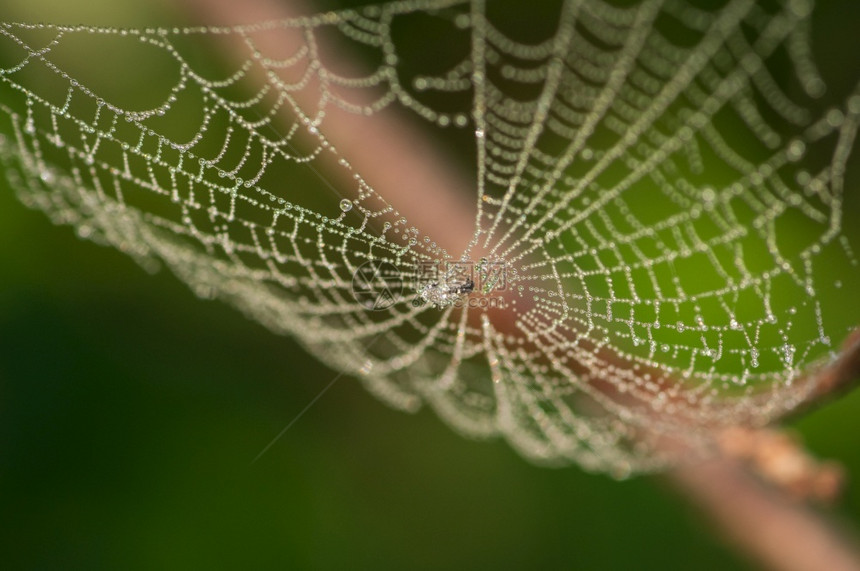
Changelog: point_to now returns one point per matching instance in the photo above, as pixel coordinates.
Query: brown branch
(782, 534)
(760, 518)
(765, 516)
(838, 377)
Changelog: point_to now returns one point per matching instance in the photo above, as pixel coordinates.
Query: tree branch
(770, 528)
(761, 519)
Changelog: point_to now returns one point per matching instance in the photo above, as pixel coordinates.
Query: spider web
(657, 191)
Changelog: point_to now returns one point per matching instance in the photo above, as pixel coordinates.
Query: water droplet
(795, 150)
(835, 117)
(462, 21)
(346, 205)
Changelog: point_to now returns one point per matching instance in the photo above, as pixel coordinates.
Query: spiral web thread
(657, 181)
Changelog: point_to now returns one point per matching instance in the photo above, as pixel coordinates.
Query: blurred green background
(130, 412)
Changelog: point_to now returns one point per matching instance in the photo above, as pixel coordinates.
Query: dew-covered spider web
(638, 233)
